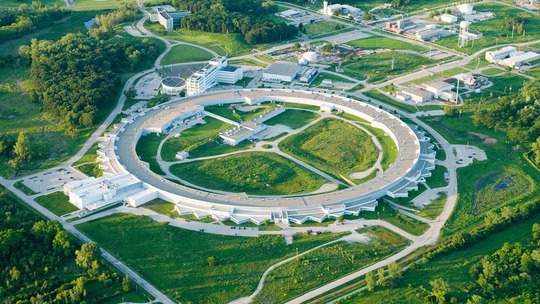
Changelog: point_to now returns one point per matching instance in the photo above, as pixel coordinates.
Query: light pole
(296, 251)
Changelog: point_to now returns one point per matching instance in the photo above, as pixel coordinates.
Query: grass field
(492, 29)
(389, 214)
(230, 112)
(146, 149)
(453, 268)
(379, 42)
(21, 186)
(57, 202)
(176, 262)
(185, 53)
(434, 209)
(327, 264)
(444, 74)
(162, 207)
(334, 146)
(322, 76)
(194, 137)
(437, 178)
(299, 106)
(534, 72)
(247, 62)
(501, 157)
(492, 71)
(251, 172)
(234, 44)
(321, 27)
(293, 118)
(378, 67)
(98, 4)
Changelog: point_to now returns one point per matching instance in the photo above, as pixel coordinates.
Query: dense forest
(235, 16)
(516, 116)
(76, 76)
(42, 263)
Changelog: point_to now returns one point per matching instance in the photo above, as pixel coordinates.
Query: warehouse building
(281, 72)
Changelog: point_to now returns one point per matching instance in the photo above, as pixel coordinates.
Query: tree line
(247, 17)
(516, 116)
(15, 23)
(35, 255)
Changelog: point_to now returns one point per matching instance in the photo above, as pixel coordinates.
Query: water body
(88, 24)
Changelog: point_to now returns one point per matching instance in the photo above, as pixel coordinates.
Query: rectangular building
(281, 71)
(437, 87)
(417, 95)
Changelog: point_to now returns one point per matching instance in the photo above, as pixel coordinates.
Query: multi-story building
(216, 71)
(167, 16)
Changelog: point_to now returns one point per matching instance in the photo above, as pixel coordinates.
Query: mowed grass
(442, 75)
(231, 111)
(432, 210)
(162, 207)
(147, 148)
(293, 118)
(491, 71)
(378, 67)
(98, 4)
(389, 214)
(24, 188)
(321, 27)
(185, 53)
(322, 76)
(534, 72)
(175, 260)
(251, 172)
(453, 268)
(193, 137)
(492, 29)
(379, 42)
(436, 180)
(326, 264)
(56, 202)
(334, 146)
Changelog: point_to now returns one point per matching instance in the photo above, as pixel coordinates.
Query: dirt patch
(486, 140)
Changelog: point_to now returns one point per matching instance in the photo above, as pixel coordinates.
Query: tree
(211, 261)
(22, 148)
(327, 48)
(370, 281)
(368, 16)
(536, 231)
(87, 255)
(381, 280)
(126, 284)
(297, 45)
(440, 289)
(536, 151)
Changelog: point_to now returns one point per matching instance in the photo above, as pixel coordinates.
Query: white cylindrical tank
(310, 56)
(464, 24)
(466, 9)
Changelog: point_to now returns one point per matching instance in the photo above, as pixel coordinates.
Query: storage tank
(310, 56)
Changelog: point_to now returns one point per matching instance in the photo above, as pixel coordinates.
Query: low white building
(448, 18)
(242, 132)
(93, 193)
(495, 56)
(280, 72)
(417, 95)
(172, 85)
(439, 89)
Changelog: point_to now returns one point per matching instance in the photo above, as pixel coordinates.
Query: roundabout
(311, 189)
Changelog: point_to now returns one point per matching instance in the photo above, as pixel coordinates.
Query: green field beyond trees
(251, 172)
(334, 146)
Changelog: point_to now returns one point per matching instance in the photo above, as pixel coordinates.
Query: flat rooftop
(282, 68)
(173, 81)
